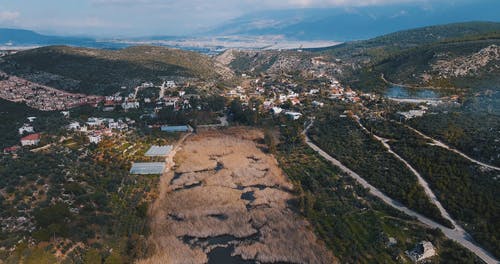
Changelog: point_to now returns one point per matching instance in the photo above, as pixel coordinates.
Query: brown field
(224, 192)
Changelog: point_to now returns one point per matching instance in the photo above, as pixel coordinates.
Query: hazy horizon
(128, 18)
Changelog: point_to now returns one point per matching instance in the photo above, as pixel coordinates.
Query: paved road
(453, 234)
(441, 144)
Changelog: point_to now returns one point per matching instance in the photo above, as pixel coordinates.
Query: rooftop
(158, 151)
(145, 168)
(31, 137)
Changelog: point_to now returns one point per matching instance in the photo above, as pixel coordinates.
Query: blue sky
(151, 17)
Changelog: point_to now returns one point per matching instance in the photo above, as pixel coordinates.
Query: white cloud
(8, 15)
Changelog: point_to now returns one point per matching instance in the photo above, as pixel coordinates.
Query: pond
(400, 92)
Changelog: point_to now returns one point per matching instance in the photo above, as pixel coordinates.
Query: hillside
(270, 61)
(105, 71)
(460, 55)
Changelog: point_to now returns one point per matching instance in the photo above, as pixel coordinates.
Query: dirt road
(454, 234)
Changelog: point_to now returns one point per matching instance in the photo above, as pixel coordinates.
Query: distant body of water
(400, 92)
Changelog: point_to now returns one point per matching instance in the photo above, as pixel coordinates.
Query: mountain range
(345, 24)
(305, 24)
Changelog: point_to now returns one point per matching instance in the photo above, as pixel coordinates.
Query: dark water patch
(223, 255)
(259, 186)
(255, 159)
(249, 196)
(219, 166)
(221, 217)
(411, 93)
(177, 175)
(191, 186)
(175, 217)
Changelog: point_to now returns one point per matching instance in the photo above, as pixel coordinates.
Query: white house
(74, 126)
(94, 121)
(277, 110)
(65, 113)
(26, 129)
(130, 105)
(293, 115)
(171, 84)
(30, 140)
(95, 138)
(313, 91)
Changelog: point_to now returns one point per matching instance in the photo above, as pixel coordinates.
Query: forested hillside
(95, 71)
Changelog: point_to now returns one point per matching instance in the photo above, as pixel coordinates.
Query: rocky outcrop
(485, 60)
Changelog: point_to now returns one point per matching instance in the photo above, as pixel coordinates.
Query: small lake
(400, 92)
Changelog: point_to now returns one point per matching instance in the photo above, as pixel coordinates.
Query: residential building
(26, 129)
(30, 140)
(293, 115)
(423, 250)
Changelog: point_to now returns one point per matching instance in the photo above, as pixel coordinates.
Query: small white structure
(130, 105)
(277, 110)
(313, 91)
(94, 121)
(74, 126)
(158, 151)
(293, 115)
(145, 168)
(412, 114)
(65, 114)
(32, 118)
(26, 129)
(171, 84)
(318, 104)
(95, 138)
(422, 251)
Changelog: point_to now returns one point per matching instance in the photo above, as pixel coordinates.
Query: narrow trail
(421, 180)
(163, 186)
(443, 145)
(454, 234)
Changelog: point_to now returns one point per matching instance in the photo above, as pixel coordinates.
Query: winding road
(456, 234)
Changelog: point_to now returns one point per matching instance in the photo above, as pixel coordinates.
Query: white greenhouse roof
(144, 168)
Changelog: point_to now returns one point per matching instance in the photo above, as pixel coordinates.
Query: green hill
(105, 71)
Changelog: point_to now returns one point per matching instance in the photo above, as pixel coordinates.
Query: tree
(92, 256)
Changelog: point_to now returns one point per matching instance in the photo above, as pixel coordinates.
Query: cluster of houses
(96, 128)
(337, 92)
(413, 113)
(28, 137)
(42, 97)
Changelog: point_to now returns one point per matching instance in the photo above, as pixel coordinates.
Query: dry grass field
(225, 193)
